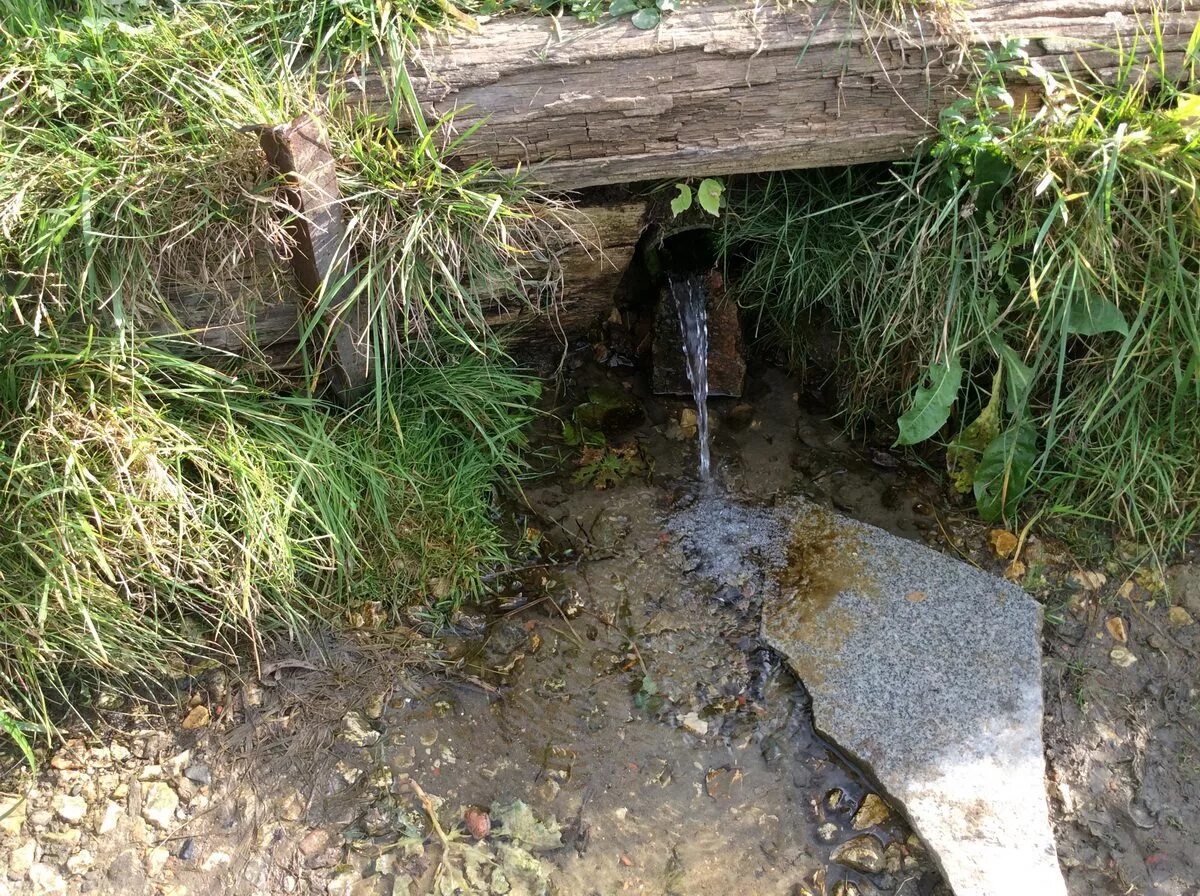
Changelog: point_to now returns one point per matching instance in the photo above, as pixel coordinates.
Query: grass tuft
(1052, 255)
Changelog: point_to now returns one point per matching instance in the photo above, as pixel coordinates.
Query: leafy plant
(710, 195)
(607, 466)
(644, 14)
(1054, 254)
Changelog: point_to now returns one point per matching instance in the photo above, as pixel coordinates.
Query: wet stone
(940, 699)
(863, 853)
(871, 811)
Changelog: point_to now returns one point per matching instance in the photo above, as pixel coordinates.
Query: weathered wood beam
(733, 87)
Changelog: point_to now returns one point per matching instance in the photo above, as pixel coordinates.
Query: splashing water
(691, 301)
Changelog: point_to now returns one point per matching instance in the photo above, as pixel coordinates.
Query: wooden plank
(736, 87)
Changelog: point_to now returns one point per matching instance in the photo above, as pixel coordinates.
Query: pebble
(1179, 617)
(20, 860)
(12, 814)
(871, 811)
(188, 850)
(159, 805)
(108, 819)
(156, 861)
(693, 723)
(70, 809)
(1122, 657)
(863, 853)
(81, 863)
(44, 880)
(357, 730)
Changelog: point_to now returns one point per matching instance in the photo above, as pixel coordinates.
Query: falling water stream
(691, 300)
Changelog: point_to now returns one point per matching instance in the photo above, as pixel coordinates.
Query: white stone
(81, 863)
(107, 822)
(940, 699)
(693, 723)
(159, 804)
(70, 809)
(21, 859)
(156, 861)
(44, 880)
(12, 814)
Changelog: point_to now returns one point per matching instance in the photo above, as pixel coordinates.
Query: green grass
(1054, 257)
(159, 511)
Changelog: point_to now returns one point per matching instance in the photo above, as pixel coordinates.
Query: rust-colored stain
(824, 558)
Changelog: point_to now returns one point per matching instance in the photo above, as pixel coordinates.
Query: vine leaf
(1094, 315)
(622, 8)
(646, 18)
(709, 195)
(1020, 376)
(683, 201)
(931, 406)
(1003, 472)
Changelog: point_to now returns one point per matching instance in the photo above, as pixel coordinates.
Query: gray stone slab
(928, 672)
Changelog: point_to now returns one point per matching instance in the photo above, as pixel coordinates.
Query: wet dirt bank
(612, 718)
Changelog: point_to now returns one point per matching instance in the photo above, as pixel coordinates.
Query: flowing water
(691, 300)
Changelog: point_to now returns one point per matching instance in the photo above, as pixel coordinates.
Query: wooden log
(299, 153)
(727, 87)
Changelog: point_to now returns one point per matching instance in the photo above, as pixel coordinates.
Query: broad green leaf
(622, 8)
(646, 18)
(1003, 472)
(683, 201)
(931, 406)
(963, 454)
(12, 728)
(1093, 315)
(709, 195)
(1020, 376)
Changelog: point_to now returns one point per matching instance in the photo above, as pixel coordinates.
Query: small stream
(691, 301)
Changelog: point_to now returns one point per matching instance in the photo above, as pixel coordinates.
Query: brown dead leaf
(915, 596)
(1015, 571)
(1088, 580)
(199, 717)
(1002, 542)
(1179, 617)
(1116, 628)
(1125, 592)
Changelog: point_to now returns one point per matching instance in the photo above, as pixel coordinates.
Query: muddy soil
(610, 722)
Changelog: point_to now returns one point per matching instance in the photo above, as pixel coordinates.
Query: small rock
(1122, 657)
(198, 774)
(70, 809)
(478, 822)
(356, 729)
(1179, 617)
(314, 842)
(159, 805)
(373, 709)
(197, 717)
(719, 782)
(827, 832)
(81, 863)
(863, 853)
(118, 751)
(846, 888)
(215, 859)
(1015, 571)
(688, 423)
(188, 849)
(156, 861)
(20, 860)
(1088, 580)
(12, 814)
(340, 884)
(375, 885)
(44, 880)
(1002, 542)
(871, 811)
(693, 723)
(109, 818)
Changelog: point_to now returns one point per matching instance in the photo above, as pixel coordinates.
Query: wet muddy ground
(610, 722)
